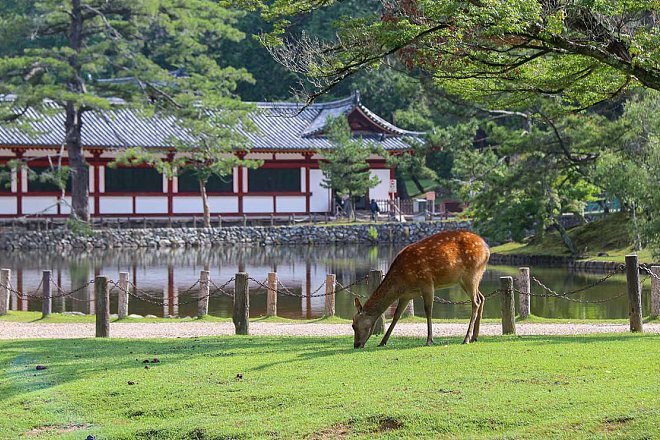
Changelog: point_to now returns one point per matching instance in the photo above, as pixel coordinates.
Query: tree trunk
(350, 209)
(205, 204)
(637, 246)
(78, 168)
(73, 123)
(565, 237)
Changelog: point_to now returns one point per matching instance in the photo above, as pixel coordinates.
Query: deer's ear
(358, 306)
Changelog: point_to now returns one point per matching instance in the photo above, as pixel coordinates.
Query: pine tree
(80, 54)
(345, 166)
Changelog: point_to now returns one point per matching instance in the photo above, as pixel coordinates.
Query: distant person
(373, 207)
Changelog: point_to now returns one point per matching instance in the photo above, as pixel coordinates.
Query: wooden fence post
(634, 293)
(241, 312)
(330, 282)
(5, 281)
(102, 296)
(271, 295)
(524, 285)
(374, 280)
(46, 297)
(508, 306)
(655, 292)
(203, 301)
(122, 296)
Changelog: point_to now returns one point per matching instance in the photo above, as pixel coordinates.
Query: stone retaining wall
(257, 236)
(547, 260)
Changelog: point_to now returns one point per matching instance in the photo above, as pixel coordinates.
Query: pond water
(168, 274)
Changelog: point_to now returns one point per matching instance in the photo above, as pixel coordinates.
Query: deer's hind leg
(480, 311)
(477, 322)
(472, 289)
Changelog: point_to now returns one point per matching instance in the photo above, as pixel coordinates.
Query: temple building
(288, 140)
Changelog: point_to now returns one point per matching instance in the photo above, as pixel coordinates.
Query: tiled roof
(281, 126)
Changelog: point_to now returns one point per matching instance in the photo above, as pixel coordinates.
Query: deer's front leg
(427, 294)
(401, 306)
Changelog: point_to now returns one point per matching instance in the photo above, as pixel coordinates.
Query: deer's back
(443, 257)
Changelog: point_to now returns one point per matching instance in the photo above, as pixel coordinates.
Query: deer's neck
(382, 298)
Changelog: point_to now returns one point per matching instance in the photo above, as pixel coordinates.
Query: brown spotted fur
(441, 260)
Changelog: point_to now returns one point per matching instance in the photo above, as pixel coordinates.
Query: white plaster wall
(223, 205)
(290, 204)
(150, 205)
(116, 205)
(65, 206)
(245, 179)
(165, 180)
(258, 204)
(263, 156)
(380, 191)
(14, 181)
(42, 205)
(187, 205)
(8, 205)
(320, 200)
(91, 179)
(24, 182)
(294, 156)
(235, 179)
(102, 180)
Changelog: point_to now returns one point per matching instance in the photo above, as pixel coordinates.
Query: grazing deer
(441, 260)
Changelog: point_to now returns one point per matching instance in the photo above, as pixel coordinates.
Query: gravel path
(19, 330)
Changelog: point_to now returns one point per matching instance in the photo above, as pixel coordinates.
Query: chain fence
(221, 290)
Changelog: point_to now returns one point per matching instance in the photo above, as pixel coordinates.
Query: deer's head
(363, 325)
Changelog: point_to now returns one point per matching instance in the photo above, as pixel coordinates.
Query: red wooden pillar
(19, 186)
(308, 160)
(96, 162)
(241, 190)
(170, 190)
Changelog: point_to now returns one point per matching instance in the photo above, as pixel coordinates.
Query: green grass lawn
(603, 386)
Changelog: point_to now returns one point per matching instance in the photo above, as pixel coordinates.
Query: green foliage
(630, 171)
(373, 235)
(487, 51)
(79, 227)
(82, 55)
(345, 166)
(303, 387)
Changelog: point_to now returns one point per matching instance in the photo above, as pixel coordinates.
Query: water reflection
(168, 274)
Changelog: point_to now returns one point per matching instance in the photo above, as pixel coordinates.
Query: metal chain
(23, 295)
(63, 293)
(619, 269)
(221, 288)
(649, 272)
(440, 300)
(347, 287)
